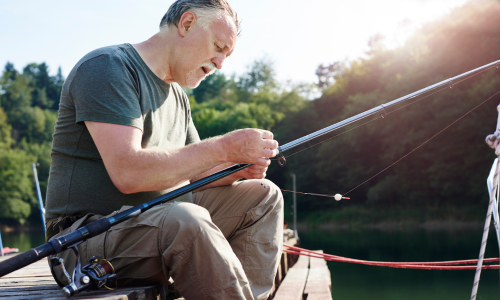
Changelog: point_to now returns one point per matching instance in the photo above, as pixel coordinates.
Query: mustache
(210, 66)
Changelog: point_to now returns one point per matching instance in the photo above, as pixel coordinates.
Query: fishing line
(392, 111)
(382, 116)
(322, 195)
(422, 143)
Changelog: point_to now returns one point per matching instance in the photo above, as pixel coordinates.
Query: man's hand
(250, 146)
(244, 146)
(252, 172)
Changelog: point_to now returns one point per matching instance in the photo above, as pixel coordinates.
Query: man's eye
(217, 48)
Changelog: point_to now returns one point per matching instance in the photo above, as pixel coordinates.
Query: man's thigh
(132, 247)
(238, 205)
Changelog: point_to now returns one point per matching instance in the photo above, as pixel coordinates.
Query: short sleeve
(192, 134)
(104, 89)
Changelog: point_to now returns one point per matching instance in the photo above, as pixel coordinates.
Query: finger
(267, 134)
(257, 167)
(261, 176)
(256, 175)
(257, 171)
(270, 144)
(262, 161)
(269, 153)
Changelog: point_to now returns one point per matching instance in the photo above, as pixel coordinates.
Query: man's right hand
(249, 146)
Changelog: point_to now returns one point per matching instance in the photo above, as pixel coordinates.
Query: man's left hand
(252, 172)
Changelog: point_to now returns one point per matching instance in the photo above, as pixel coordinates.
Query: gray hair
(206, 11)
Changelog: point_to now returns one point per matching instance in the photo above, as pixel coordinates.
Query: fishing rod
(97, 274)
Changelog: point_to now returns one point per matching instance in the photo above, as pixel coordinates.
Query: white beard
(192, 81)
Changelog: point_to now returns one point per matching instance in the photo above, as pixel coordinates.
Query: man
(124, 136)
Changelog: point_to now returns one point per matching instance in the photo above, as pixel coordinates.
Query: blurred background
(297, 68)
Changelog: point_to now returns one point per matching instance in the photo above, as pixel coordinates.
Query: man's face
(206, 51)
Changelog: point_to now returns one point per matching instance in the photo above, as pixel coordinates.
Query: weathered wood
(140, 293)
(29, 288)
(54, 292)
(35, 282)
(37, 269)
(27, 281)
(319, 283)
(292, 286)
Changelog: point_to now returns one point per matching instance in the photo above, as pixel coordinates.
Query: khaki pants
(226, 245)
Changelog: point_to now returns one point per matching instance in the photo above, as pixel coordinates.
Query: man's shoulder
(103, 56)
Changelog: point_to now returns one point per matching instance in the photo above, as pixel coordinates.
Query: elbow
(125, 183)
(126, 189)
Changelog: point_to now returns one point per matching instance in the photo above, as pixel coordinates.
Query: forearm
(134, 169)
(159, 169)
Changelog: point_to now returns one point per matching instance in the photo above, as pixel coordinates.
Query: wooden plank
(27, 281)
(292, 287)
(319, 283)
(37, 269)
(54, 292)
(29, 288)
(35, 282)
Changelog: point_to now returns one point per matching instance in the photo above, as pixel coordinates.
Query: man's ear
(186, 23)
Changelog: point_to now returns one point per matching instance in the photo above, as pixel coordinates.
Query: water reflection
(350, 281)
(23, 240)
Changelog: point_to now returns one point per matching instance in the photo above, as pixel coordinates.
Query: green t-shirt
(111, 85)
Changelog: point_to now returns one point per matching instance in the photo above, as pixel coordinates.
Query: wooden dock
(297, 278)
(309, 278)
(36, 282)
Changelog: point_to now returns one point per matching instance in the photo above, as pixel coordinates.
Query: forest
(445, 179)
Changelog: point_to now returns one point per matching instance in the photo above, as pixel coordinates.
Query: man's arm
(133, 169)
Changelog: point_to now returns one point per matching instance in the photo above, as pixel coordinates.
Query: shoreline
(8, 229)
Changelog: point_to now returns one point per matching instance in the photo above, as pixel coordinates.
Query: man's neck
(155, 53)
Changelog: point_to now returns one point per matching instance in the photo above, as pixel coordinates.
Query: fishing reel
(92, 276)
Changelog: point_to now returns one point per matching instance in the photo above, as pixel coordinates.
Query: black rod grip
(97, 227)
(26, 258)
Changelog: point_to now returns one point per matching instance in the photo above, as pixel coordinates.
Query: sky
(296, 36)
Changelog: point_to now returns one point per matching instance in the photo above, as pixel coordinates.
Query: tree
(449, 170)
(254, 99)
(27, 121)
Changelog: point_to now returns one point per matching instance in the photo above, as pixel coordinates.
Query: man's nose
(218, 61)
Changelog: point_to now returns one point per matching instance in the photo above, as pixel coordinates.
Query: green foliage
(6, 140)
(254, 100)
(449, 170)
(29, 100)
(28, 103)
(16, 185)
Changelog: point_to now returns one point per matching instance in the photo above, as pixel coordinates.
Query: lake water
(350, 281)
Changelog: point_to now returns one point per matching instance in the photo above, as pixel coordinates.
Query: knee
(269, 190)
(274, 190)
(187, 220)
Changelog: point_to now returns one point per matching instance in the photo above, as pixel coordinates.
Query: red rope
(438, 265)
